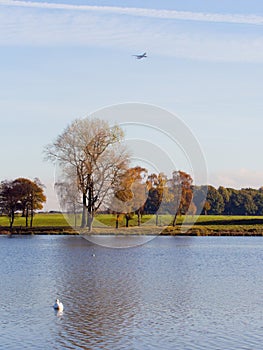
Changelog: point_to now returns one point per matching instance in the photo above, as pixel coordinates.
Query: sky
(65, 59)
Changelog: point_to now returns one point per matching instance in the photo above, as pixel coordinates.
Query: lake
(170, 293)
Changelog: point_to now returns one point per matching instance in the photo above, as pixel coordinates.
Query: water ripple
(173, 293)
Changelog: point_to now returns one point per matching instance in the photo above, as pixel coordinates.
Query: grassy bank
(105, 223)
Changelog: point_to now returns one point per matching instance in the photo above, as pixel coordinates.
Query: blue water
(171, 293)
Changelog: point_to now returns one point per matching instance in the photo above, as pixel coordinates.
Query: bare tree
(91, 154)
(69, 199)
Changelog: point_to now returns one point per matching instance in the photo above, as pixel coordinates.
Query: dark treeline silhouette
(228, 201)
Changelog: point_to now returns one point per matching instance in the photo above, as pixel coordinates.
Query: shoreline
(131, 231)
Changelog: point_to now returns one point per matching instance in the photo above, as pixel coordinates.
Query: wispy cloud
(48, 24)
(144, 12)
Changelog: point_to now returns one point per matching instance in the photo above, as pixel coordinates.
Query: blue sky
(63, 59)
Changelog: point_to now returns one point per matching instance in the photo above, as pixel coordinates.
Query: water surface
(171, 293)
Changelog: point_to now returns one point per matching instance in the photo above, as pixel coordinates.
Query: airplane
(140, 56)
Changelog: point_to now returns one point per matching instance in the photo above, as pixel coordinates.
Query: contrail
(144, 12)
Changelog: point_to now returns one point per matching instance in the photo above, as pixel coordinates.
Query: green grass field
(209, 223)
(39, 220)
(48, 219)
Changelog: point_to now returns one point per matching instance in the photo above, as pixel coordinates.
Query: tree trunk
(12, 218)
(117, 221)
(139, 216)
(90, 206)
(127, 220)
(31, 218)
(31, 211)
(90, 221)
(84, 210)
(26, 217)
(174, 220)
(156, 219)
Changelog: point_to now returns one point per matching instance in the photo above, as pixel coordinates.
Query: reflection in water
(120, 241)
(107, 300)
(172, 293)
(58, 313)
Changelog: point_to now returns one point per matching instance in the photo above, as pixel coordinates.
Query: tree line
(228, 201)
(139, 194)
(156, 194)
(178, 196)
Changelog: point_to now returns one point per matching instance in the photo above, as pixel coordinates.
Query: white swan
(58, 305)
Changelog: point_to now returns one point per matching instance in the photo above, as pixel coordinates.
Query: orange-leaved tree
(180, 187)
(130, 195)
